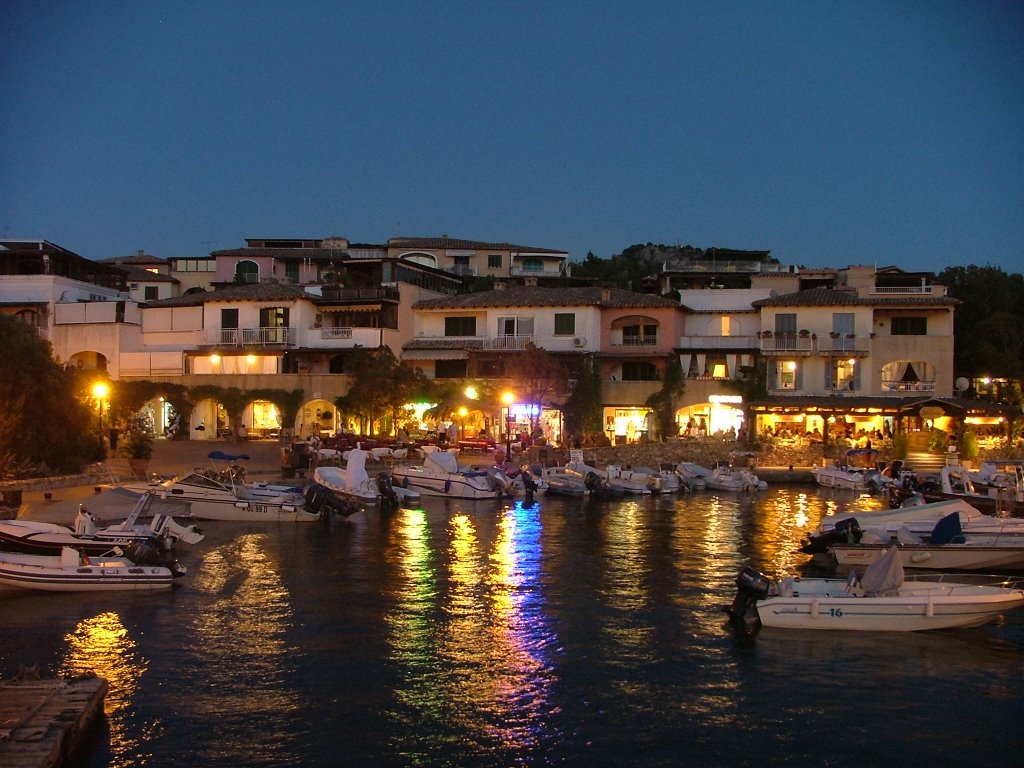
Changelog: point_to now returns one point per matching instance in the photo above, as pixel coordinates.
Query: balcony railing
(843, 344)
(508, 342)
(908, 386)
(785, 343)
(521, 271)
(636, 341)
(926, 290)
(254, 337)
(718, 342)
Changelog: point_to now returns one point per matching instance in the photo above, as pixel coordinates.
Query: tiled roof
(537, 296)
(436, 243)
(827, 297)
(246, 292)
(140, 275)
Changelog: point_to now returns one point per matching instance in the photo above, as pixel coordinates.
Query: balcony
(250, 337)
(787, 344)
(844, 345)
(718, 342)
(908, 386)
(636, 341)
(521, 271)
(908, 290)
(347, 337)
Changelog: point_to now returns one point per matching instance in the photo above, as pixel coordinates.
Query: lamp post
(100, 390)
(508, 398)
(463, 412)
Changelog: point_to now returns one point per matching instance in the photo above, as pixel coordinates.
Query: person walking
(112, 436)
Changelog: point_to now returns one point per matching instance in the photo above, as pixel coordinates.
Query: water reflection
(102, 645)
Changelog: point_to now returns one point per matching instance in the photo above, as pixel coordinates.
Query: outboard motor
(751, 586)
(152, 554)
(388, 497)
(529, 484)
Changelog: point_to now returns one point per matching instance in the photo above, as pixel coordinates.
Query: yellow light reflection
(101, 645)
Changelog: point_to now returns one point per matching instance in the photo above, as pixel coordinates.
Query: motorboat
(559, 482)
(955, 482)
(944, 549)
(611, 482)
(354, 483)
(39, 538)
(884, 599)
(653, 479)
(919, 519)
(441, 475)
(725, 477)
(850, 475)
(233, 473)
(694, 476)
(211, 498)
(73, 571)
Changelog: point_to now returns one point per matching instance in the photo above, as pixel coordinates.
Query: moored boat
(883, 600)
(71, 571)
(441, 475)
(211, 498)
(851, 475)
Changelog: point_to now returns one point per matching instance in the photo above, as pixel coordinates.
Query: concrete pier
(43, 722)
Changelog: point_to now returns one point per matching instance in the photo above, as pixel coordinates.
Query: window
(247, 272)
(533, 265)
(910, 326)
(842, 323)
(785, 323)
(291, 271)
(842, 375)
(151, 293)
(450, 369)
(460, 326)
(785, 375)
(229, 318)
(515, 326)
(494, 261)
(637, 371)
(565, 324)
(639, 335)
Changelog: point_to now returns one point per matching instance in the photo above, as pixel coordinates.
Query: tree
(663, 402)
(46, 416)
(752, 386)
(538, 376)
(583, 409)
(381, 385)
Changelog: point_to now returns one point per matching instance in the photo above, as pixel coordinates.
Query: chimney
(530, 281)
(499, 286)
(606, 294)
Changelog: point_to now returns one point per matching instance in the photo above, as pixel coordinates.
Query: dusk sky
(831, 133)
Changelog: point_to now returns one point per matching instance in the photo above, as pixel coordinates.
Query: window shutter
(798, 378)
(830, 365)
(856, 375)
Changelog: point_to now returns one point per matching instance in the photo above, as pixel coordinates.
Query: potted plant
(804, 333)
(834, 335)
(139, 449)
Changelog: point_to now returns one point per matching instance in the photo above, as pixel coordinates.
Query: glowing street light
(463, 412)
(100, 390)
(508, 398)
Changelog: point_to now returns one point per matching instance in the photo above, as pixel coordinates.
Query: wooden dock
(42, 722)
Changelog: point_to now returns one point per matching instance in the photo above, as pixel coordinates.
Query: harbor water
(563, 632)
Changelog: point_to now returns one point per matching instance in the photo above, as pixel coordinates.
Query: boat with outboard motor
(954, 481)
(72, 571)
(726, 477)
(353, 485)
(884, 599)
(946, 548)
(441, 475)
(857, 473)
(159, 535)
(212, 497)
(918, 519)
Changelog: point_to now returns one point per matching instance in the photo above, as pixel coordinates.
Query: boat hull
(56, 574)
(948, 557)
(824, 604)
(454, 486)
(248, 511)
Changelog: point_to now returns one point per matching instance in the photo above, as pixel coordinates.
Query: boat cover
(885, 575)
(355, 466)
(947, 530)
(442, 461)
(221, 456)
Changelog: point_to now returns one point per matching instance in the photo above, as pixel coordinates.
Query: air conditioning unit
(578, 342)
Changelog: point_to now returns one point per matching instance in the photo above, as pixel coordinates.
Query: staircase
(925, 463)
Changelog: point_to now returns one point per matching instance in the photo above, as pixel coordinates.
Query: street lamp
(508, 398)
(463, 412)
(100, 390)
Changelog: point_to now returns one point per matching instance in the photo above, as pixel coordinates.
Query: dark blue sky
(831, 133)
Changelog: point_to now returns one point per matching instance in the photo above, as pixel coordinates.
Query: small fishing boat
(38, 538)
(71, 571)
(441, 475)
(882, 600)
(725, 477)
(694, 476)
(946, 548)
(857, 473)
(210, 497)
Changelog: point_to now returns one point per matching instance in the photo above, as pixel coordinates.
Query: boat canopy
(221, 456)
(883, 575)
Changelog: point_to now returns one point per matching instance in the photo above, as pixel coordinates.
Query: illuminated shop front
(626, 425)
(721, 415)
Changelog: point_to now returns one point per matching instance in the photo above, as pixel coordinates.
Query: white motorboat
(694, 476)
(851, 475)
(210, 498)
(955, 482)
(559, 482)
(39, 538)
(883, 600)
(726, 477)
(919, 519)
(611, 482)
(71, 571)
(946, 548)
(354, 482)
(441, 475)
